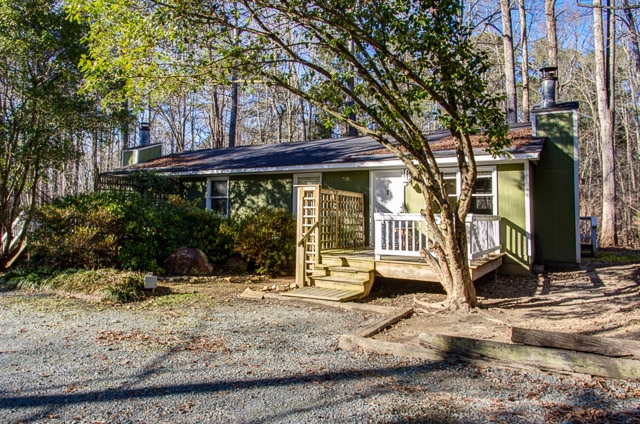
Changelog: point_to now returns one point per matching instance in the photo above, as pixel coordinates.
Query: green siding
(511, 208)
(248, 193)
(149, 153)
(554, 193)
(196, 191)
(128, 157)
(139, 155)
(356, 181)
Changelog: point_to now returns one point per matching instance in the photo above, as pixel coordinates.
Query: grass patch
(176, 299)
(108, 284)
(619, 256)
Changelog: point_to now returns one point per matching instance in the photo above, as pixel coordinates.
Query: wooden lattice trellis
(159, 186)
(342, 224)
(327, 219)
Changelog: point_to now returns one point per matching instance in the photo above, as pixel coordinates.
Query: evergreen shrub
(137, 231)
(267, 240)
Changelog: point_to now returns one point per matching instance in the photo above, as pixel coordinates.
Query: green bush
(267, 240)
(137, 231)
(131, 230)
(77, 231)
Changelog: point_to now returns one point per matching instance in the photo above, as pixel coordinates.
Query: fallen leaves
(173, 341)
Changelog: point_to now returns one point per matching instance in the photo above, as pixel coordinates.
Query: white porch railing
(406, 234)
(403, 234)
(483, 235)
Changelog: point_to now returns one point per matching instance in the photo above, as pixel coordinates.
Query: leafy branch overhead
(372, 65)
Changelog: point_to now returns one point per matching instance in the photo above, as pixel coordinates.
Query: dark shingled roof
(318, 153)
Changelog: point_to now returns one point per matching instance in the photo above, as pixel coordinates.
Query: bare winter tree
(524, 40)
(509, 62)
(604, 58)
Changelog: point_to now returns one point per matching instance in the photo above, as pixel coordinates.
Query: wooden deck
(404, 268)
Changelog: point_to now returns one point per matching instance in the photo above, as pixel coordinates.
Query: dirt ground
(600, 299)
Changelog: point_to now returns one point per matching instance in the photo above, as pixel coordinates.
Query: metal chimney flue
(548, 90)
(145, 134)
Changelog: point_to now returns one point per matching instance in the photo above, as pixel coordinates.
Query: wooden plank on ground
(460, 349)
(382, 323)
(350, 342)
(363, 307)
(578, 342)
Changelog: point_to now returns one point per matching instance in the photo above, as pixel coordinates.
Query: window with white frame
(218, 195)
(483, 197)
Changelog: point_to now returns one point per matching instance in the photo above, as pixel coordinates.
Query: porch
(334, 262)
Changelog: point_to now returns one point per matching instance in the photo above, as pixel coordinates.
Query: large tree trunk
(448, 252)
(604, 91)
(233, 114)
(525, 61)
(509, 63)
(454, 266)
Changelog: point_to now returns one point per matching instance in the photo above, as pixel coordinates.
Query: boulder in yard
(188, 261)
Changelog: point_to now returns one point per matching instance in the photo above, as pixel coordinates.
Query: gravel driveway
(243, 361)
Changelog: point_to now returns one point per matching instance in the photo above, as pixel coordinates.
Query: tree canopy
(372, 65)
(39, 105)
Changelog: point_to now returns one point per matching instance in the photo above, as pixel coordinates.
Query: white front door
(388, 192)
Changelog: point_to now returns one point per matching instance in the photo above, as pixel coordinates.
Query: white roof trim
(365, 165)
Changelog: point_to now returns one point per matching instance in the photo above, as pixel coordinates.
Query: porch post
(300, 249)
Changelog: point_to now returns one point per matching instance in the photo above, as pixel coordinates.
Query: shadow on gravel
(102, 396)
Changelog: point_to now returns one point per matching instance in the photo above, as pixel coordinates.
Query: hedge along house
(358, 213)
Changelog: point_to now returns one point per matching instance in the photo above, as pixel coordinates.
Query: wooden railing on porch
(326, 219)
(407, 234)
(403, 234)
(483, 235)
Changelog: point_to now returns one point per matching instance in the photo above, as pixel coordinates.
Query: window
(307, 179)
(218, 196)
(451, 184)
(483, 195)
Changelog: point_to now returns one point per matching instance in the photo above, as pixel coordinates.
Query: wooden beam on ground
(578, 342)
(382, 323)
(350, 342)
(349, 306)
(460, 349)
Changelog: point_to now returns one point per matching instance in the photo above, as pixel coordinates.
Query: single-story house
(525, 204)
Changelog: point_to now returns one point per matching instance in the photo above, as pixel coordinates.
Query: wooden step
(339, 282)
(347, 261)
(343, 271)
(324, 294)
(349, 269)
(343, 278)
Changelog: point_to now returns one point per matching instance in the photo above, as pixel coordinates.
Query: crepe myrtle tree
(374, 65)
